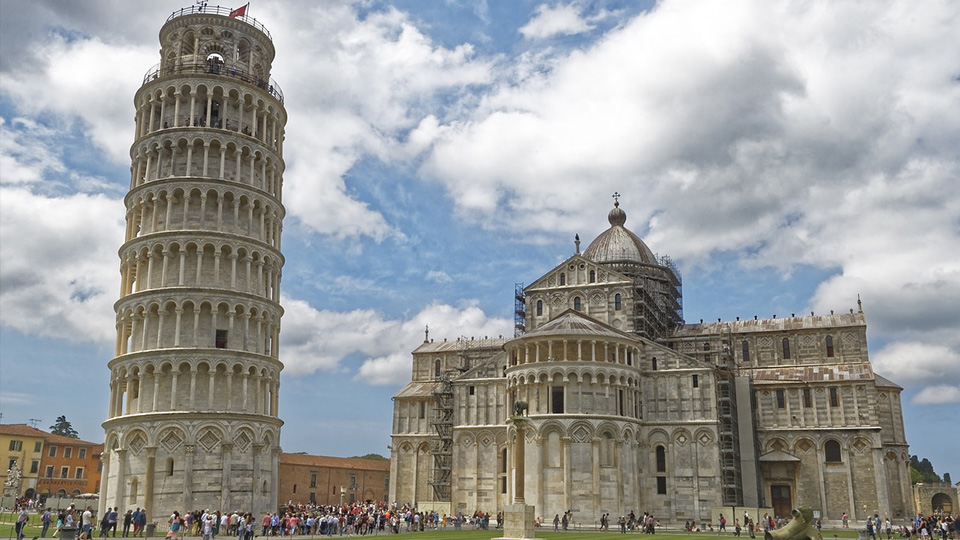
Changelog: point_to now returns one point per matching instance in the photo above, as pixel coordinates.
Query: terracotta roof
(24, 430)
(335, 462)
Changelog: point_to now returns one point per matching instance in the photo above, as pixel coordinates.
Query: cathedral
(631, 409)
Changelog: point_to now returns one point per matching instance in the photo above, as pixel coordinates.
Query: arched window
(539, 307)
(786, 349)
(654, 363)
(436, 368)
(576, 303)
(746, 350)
(593, 276)
(661, 458)
(617, 302)
(563, 278)
(831, 452)
(829, 342)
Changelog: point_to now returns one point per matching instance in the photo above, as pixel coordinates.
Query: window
(829, 342)
(16, 446)
(82, 453)
(472, 390)
(617, 302)
(786, 349)
(169, 466)
(781, 399)
(79, 473)
(221, 339)
(706, 346)
(294, 488)
(696, 381)
(834, 398)
(353, 481)
(49, 473)
(563, 278)
(620, 401)
(576, 303)
(313, 479)
(539, 307)
(556, 393)
(35, 466)
(807, 401)
(661, 485)
(64, 472)
(52, 452)
(746, 350)
(654, 362)
(593, 276)
(831, 452)
(37, 446)
(661, 452)
(436, 368)
(68, 451)
(423, 409)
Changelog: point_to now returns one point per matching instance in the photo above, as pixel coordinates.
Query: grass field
(7, 531)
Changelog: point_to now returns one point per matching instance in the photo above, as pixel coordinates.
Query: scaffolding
(731, 483)
(443, 450)
(519, 310)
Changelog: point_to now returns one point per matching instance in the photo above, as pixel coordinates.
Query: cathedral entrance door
(781, 501)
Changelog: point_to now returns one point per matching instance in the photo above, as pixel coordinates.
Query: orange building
(69, 467)
(51, 465)
(331, 480)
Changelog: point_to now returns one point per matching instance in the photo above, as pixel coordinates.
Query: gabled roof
(542, 281)
(885, 382)
(779, 456)
(574, 323)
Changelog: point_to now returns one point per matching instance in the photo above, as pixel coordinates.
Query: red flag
(240, 11)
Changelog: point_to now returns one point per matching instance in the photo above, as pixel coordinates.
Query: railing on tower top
(214, 68)
(217, 10)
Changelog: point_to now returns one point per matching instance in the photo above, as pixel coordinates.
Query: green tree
(924, 468)
(376, 457)
(63, 427)
(946, 478)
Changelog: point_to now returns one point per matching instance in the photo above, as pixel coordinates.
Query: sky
(790, 156)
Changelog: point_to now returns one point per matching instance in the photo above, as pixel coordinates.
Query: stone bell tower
(193, 420)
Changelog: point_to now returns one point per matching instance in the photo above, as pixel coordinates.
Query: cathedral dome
(619, 244)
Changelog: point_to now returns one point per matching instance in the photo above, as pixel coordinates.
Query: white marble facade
(627, 405)
(193, 420)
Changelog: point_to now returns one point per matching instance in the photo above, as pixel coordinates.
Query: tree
(375, 457)
(946, 479)
(924, 471)
(63, 427)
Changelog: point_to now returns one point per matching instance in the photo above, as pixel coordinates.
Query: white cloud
(916, 363)
(370, 83)
(439, 276)
(563, 19)
(319, 340)
(59, 274)
(938, 395)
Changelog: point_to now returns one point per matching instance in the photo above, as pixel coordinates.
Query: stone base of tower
(518, 522)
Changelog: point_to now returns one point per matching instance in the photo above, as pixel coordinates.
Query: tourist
(127, 522)
(723, 524)
(23, 517)
(45, 522)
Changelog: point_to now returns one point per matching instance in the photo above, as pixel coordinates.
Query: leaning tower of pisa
(192, 420)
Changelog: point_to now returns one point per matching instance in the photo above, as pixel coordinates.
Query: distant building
(332, 480)
(632, 410)
(52, 465)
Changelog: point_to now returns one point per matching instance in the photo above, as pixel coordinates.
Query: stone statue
(520, 408)
(801, 527)
(11, 487)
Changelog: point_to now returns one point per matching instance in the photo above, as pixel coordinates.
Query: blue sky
(789, 156)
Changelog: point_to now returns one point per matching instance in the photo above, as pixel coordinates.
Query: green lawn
(33, 529)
